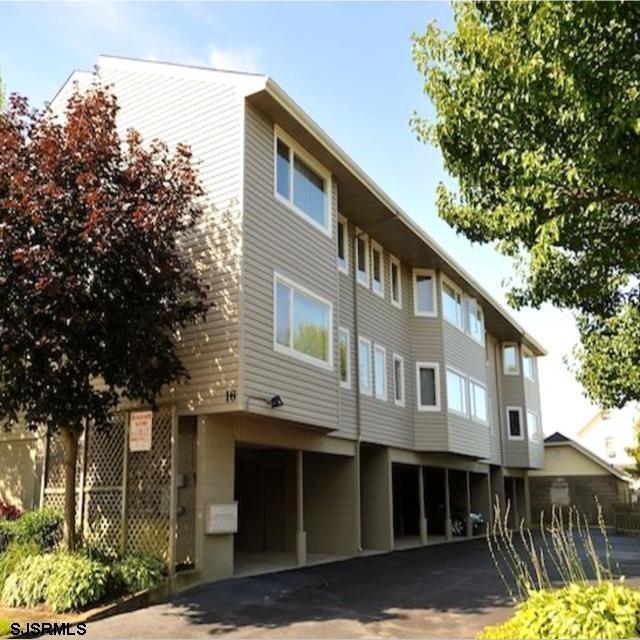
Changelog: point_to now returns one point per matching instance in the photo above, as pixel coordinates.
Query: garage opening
(435, 501)
(406, 505)
(459, 504)
(480, 502)
(511, 502)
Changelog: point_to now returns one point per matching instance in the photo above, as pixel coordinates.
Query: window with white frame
(610, 446)
(364, 366)
(532, 426)
(345, 358)
(398, 380)
(424, 292)
(456, 392)
(301, 182)
(475, 320)
(514, 423)
(528, 365)
(362, 258)
(510, 359)
(395, 278)
(343, 245)
(377, 267)
(428, 386)
(452, 304)
(380, 372)
(478, 401)
(302, 323)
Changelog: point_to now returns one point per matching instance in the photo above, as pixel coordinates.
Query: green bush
(605, 610)
(5, 627)
(43, 527)
(12, 557)
(27, 585)
(137, 572)
(6, 533)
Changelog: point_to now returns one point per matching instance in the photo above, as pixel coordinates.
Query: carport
(407, 493)
(480, 498)
(437, 504)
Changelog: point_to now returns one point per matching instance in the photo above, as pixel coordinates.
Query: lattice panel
(55, 462)
(103, 519)
(55, 501)
(149, 475)
(105, 455)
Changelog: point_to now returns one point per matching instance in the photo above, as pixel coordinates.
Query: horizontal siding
(495, 415)
(516, 452)
(532, 400)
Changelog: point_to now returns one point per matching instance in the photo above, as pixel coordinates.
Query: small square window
(424, 296)
(514, 423)
(343, 245)
(362, 258)
(510, 359)
(395, 277)
(398, 379)
(428, 386)
(377, 269)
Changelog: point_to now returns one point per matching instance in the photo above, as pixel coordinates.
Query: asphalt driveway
(446, 591)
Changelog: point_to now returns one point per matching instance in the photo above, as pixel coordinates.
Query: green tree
(537, 116)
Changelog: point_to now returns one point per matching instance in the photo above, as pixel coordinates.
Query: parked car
(458, 517)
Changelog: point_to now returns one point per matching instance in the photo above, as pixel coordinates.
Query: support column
(447, 507)
(301, 536)
(423, 517)
(468, 506)
(527, 500)
(514, 492)
(490, 513)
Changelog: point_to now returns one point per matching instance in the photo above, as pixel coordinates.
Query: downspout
(356, 387)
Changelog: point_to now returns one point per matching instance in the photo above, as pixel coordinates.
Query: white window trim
(482, 340)
(375, 247)
(474, 418)
(394, 261)
(459, 292)
(371, 365)
(504, 370)
(416, 312)
(378, 348)
(464, 414)
(402, 402)
(367, 272)
(509, 436)
(290, 351)
(436, 376)
(529, 354)
(533, 435)
(324, 173)
(344, 268)
(345, 384)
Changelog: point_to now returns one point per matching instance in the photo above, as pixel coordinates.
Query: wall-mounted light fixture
(274, 402)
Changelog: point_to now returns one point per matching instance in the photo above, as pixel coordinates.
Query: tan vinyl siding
(494, 409)
(516, 452)
(532, 399)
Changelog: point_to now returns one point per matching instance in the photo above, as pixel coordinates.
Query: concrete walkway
(449, 591)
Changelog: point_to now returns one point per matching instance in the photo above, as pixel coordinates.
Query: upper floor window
(398, 380)
(475, 320)
(528, 365)
(428, 386)
(302, 183)
(364, 366)
(510, 359)
(456, 392)
(343, 245)
(532, 426)
(380, 372)
(345, 358)
(424, 292)
(610, 447)
(478, 401)
(452, 304)
(514, 423)
(302, 323)
(362, 258)
(395, 277)
(377, 283)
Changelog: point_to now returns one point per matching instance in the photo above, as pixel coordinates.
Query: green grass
(5, 627)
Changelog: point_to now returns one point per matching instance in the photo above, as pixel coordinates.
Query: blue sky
(347, 64)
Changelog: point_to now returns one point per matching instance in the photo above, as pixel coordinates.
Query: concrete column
(377, 499)
(301, 536)
(490, 513)
(423, 517)
(468, 506)
(514, 506)
(447, 507)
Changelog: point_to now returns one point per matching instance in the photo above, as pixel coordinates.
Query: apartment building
(354, 389)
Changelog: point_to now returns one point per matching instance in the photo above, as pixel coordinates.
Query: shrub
(27, 585)
(43, 527)
(5, 627)
(12, 558)
(137, 572)
(6, 534)
(604, 610)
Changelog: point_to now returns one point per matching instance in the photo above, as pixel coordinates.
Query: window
(380, 372)
(478, 400)
(424, 298)
(343, 245)
(532, 426)
(528, 365)
(510, 359)
(362, 258)
(452, 304)
(398, 379)
(345, 359)
(364, 365)
(456, 392)
(302, 323)
(428, 386)
(395, 277)
(514, 423)
(475, 320)
(377, 262)
(302, 183)
(610, 447)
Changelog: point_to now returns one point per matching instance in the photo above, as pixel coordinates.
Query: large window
(452, 304)
(395, 277)
(301, 182)
(377, 283)
(302, 323)
(510, 359)
(362, 258)
(514, 423)
(528, 365)
(380, 372)
(428, 386)
(343, 245)
(475, 320)
(456, 392)
(398, 380)
(345, 358)
(478, 401)
(364, 366)
(532, 426)
(424, 296)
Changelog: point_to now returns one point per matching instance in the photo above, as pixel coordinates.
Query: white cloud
(233, 59)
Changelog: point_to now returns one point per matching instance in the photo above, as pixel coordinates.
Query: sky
(347, 64)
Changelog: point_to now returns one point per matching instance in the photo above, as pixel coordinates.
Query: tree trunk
(70, 443)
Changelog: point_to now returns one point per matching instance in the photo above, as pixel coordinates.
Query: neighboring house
(354, 387)
(574, 476)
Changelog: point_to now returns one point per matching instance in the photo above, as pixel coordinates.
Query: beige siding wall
(20, 469)
(532, 400)
(495, 414)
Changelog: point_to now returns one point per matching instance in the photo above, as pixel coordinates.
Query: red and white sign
(140, 427)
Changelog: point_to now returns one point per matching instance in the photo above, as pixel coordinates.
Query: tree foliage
(538, 119)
